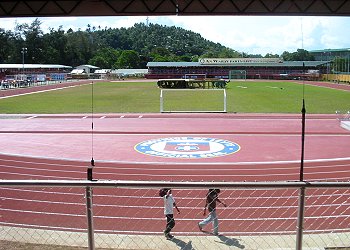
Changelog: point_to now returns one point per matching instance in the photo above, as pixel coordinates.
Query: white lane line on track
(31, 226)
(250, 197)
(187, 207)
(42, 91)
(161, 218)
(135, 196)
(38, 212)
(186, 163)
(116, 217)
(109, 175)
(42, 176)
(135, 163)
(31, 117)
(176, 169)
(149, 175)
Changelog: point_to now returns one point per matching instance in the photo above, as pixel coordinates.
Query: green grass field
(143, 97)
(199, 100)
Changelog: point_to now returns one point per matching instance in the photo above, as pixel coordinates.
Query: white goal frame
(191, 111)
(239, 75)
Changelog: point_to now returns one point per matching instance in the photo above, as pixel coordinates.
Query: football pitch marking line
(42, 91)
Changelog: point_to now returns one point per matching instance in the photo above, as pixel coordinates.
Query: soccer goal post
(193, 101)
(237, 74)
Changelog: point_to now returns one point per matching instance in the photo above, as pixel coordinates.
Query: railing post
(300, 226)
(89, 214)
(91, 240)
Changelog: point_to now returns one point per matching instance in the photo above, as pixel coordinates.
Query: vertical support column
(300, 226)
(89, 213)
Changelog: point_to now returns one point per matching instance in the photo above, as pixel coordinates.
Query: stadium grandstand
(22, 75)
(31, 69)
(330, 54)
(253, 68)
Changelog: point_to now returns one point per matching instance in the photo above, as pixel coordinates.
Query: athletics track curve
(60, 147)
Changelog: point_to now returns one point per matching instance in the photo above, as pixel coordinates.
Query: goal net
(237, 74)
(193, 101)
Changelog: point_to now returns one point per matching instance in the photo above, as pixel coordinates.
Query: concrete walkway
(197, 242)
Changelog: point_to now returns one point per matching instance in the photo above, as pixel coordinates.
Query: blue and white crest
(187, 147)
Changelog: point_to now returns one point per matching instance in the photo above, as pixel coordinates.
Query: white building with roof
(84, 69)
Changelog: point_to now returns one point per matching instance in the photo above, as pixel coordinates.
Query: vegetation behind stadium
(115, 48)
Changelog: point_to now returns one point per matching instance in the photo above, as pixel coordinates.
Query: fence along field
(144, 97)
(259, 216)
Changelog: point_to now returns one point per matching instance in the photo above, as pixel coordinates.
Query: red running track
(60, 147)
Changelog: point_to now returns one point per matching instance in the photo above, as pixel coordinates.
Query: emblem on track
(187, 147)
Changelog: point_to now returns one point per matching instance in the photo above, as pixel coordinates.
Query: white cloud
(249, 34)
(258, 35)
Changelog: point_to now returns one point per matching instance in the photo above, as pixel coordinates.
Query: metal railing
(129, 214)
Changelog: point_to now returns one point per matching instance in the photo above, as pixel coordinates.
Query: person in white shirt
(169, 204)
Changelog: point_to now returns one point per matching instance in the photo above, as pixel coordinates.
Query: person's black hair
(163, 191)
(214, 190)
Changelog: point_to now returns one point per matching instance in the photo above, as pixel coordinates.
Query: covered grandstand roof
(330, 50)
(239, 64)
(129, 71)
(173, 64)
(33, 66)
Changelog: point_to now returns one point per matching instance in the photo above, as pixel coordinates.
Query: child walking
(169, 204)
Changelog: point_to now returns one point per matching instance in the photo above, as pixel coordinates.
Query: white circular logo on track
(187, 147)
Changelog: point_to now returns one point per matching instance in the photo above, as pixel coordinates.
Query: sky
(248, 34)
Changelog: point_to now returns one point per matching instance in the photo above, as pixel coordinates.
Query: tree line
(115, 48)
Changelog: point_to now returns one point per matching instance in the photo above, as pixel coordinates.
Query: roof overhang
(41, 8)
(34, 66)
